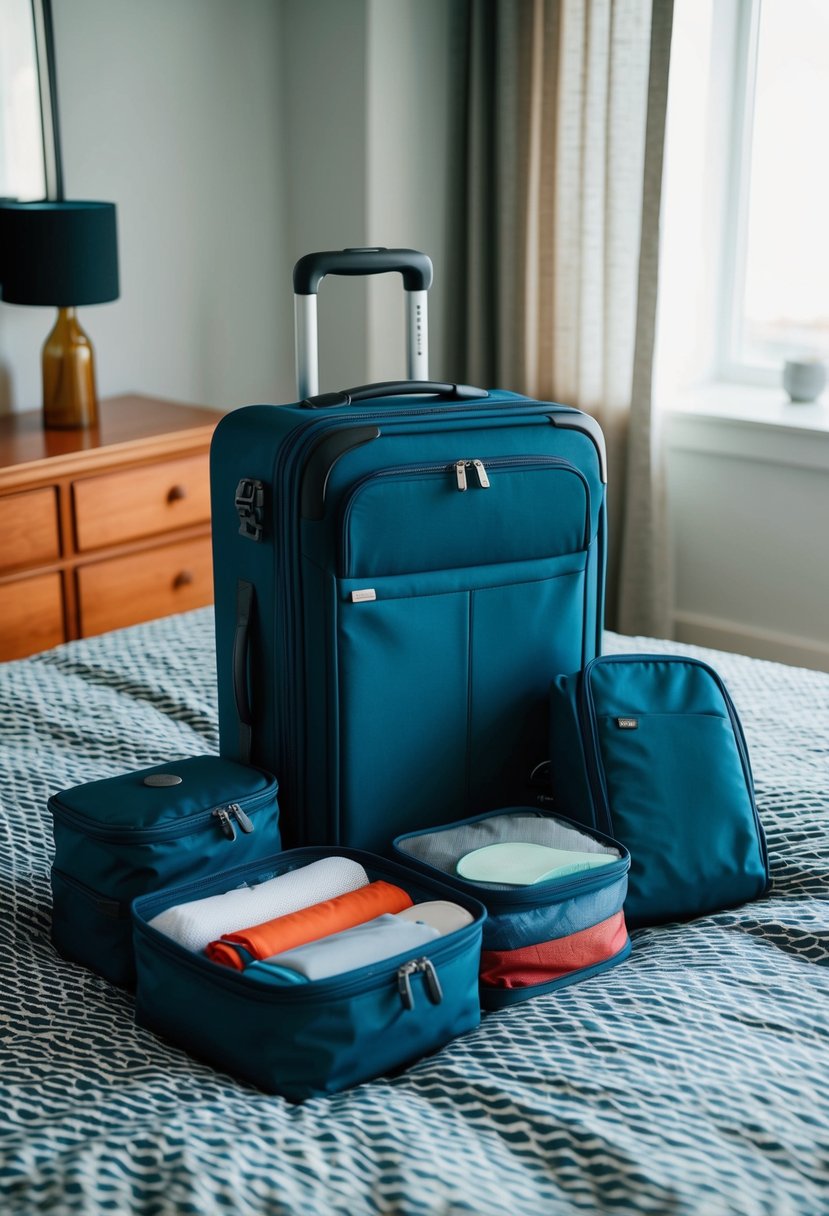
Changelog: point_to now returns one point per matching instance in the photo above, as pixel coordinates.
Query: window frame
(741, 28)
(745, 36)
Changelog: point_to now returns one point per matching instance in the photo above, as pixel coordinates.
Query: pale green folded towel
(523, 865)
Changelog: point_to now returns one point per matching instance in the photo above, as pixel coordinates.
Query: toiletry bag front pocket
(305, 1037)
(127, 835)
(544, 935)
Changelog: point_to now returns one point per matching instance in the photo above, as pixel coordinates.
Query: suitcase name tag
(362, 597)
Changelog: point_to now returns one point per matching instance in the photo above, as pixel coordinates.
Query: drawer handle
(183, 579)
(176, 493)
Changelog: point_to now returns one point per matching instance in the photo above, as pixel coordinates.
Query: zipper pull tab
(404, 984)
(430, 976)
(460, 473)
(483, 480)
(226, 823)
(244, 821)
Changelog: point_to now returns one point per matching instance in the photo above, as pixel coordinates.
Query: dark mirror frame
(47, 80)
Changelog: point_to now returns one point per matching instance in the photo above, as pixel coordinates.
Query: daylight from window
(785, 294)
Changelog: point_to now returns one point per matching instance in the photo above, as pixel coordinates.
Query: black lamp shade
(59, 253)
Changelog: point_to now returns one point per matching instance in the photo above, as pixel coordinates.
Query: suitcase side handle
(241, 643)
(310, 270)
(395, 388)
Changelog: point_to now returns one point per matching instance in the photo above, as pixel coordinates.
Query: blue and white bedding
(692, 1079)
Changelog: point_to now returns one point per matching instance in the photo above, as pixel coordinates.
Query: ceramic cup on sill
(804, 379)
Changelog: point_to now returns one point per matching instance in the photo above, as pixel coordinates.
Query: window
(779, 294)
(745, 274)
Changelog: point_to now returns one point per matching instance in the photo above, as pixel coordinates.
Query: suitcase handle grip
(241, 643)
(395, 388)
(311, 269)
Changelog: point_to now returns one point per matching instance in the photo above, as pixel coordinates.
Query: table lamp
(63, 254)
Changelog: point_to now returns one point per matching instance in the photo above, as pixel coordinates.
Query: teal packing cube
(126, 835)
(317, 1037)
(649, 749)
(549, 933)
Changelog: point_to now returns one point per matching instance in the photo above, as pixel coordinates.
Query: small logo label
(360, 597)
(627, 723)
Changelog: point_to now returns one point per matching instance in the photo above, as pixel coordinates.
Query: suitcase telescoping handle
(310, 270)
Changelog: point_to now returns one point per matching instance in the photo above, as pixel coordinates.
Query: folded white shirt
(201, 921)
(371, 942)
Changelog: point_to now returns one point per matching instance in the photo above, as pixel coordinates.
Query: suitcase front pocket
(462, 514)
(442, 683)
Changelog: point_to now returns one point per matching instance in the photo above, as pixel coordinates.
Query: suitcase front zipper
(458, 473)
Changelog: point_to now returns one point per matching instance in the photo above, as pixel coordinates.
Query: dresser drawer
(28, 529)
(31, 615)
(141, 502)
(157, 582)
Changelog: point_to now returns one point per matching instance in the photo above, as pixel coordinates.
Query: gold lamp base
(69, 397)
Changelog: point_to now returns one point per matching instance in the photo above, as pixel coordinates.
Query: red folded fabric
(553, 960)
(309, 924)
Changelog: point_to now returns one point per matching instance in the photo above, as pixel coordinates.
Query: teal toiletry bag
(650, 750)
(126, 835)
(309, 1037)
(544, 934)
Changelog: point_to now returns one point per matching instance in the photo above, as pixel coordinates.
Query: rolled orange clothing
(309, 924)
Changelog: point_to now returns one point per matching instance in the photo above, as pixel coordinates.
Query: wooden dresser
(102, 528)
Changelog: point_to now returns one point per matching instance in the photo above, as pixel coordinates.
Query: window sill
(750, 422)
(755, 404)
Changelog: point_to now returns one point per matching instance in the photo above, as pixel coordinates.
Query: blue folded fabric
(371, 942)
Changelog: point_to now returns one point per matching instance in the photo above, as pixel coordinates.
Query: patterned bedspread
(693, 1078)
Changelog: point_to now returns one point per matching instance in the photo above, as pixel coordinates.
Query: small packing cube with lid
(543, 934)
(302, 1036)
(649, 748)
(126, 835)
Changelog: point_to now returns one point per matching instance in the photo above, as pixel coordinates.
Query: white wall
(748, 481)
(173, 112)
(414, 93)
(323, 70)
(367, 101)
(233, 137)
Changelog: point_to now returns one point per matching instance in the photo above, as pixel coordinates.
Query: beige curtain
(563, 137)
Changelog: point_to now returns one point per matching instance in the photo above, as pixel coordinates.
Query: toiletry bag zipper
(225, 817)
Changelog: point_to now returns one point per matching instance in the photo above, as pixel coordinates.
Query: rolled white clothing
(201, 921)
(441, 914)
(371, 942)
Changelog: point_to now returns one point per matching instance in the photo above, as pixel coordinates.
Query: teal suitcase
(400, 570)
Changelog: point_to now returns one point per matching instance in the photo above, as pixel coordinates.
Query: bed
(692, 1078)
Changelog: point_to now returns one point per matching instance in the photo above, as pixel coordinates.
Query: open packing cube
(399, 572)
(317, 1037)
(546, 934)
